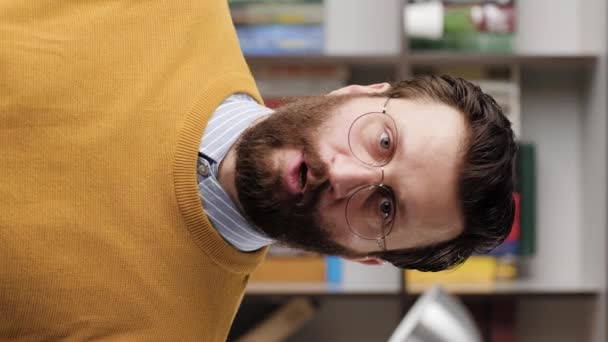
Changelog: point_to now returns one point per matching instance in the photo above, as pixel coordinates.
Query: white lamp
(424, 20)
(437, 317)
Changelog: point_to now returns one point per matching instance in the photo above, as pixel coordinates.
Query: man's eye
(385, 141)
(385, 209)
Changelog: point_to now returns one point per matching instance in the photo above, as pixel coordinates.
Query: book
(526, 185)
(244, 2)
(507, 95)
(334, 270)
(274, 39)
(298, 71)
(287, 264)
(276, 82)
(510, 247)
(280, 13)
(480, 27)
(477, 269)
(500, 83)
(480, 42)
(522, 239)
(291, 269)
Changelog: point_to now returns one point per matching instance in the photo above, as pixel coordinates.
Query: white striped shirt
(227, 123)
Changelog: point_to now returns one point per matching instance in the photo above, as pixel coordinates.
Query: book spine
(280, 39)
(477, 269)
(247, 2)
(480, 27)
(526, 184)
(293, 80)
(510, 247)
(278, 14)
(333, 267)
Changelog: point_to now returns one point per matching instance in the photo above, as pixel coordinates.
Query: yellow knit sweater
(102, 108)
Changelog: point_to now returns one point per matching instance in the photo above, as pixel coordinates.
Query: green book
(470, 28)
(525, 184)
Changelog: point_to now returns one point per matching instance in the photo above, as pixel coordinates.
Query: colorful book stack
(472, 25)
(500, 82)
(507, 95)
(275, 27)
(285, 264)
(526, 186)
(280, 82)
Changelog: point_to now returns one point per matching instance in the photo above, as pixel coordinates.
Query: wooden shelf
(431, 59)
(319, 289)
(447, 58)
(509, 288)
(322, 60)
(517, 287)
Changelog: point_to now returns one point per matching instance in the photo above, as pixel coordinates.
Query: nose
(347, 174)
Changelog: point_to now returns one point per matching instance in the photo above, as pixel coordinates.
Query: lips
(297, 173)
(303, 175)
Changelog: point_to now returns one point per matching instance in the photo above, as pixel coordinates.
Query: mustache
(317, 184)
(313, 193)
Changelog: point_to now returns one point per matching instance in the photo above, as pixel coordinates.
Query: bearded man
(142, 178)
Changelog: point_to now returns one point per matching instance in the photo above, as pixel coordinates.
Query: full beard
(292, 220)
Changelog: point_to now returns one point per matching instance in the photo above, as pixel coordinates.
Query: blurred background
(544, 61)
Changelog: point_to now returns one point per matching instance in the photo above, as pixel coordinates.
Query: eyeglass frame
(381, 241)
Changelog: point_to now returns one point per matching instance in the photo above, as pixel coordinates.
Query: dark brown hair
(486, 176)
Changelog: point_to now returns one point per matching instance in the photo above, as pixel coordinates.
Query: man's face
(296, 171)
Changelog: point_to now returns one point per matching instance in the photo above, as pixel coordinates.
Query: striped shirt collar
(227, 123)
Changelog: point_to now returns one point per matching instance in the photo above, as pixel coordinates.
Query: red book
(514, 235)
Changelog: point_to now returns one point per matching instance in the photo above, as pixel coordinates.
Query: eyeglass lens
(370, 210)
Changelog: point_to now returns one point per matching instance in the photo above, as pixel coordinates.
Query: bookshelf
(323, 60)
(322, 289)
(515, 288)
(434, 59)
(508, 288)
(564, 113)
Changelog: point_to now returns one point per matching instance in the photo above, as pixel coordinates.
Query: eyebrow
(402, 206)
(401, 202)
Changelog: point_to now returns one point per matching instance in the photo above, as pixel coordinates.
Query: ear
(368, 261)
(361, 89)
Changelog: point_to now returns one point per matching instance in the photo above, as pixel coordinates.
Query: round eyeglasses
(370, 209)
